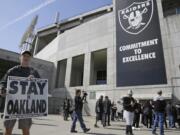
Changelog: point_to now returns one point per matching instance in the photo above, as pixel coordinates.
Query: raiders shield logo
(136, 17)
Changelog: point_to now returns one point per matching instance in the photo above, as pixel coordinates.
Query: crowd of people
(151, 113)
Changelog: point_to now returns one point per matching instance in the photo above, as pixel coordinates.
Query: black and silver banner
(140, 58)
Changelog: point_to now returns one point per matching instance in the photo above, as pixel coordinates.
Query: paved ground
(54, 125)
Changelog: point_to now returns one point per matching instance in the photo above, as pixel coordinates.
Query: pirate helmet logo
(136, 17)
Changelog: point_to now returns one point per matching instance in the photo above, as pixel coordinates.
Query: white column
(68, 72)
(110, 66)
(87, 64)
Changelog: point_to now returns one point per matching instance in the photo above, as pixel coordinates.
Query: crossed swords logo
(135, 19)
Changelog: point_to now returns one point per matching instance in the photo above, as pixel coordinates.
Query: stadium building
(83, 50)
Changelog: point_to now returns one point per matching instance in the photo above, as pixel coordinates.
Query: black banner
(140, 58)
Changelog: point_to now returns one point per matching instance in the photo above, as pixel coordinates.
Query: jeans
(171, 121)
(78, 116)
(159, 119)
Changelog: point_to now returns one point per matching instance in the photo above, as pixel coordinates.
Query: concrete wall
(100, 34)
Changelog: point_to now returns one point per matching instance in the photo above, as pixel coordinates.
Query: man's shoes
(109, 124)
(73, 131)
(154, 133)
(129, 134)
(86, 130)
(96, 126)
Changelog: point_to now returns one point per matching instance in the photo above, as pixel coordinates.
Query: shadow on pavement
(41, 119)
(44, 124)
(12, 134)
(115, 128)
(99, 134)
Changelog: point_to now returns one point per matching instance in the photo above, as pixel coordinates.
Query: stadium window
(61, 73)
(170, 7)
(178, 10)
(77, 71)
(98, 74)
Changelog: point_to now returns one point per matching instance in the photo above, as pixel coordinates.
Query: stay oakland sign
(140, 57)
(26, 98)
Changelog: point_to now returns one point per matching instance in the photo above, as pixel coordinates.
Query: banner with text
(140, 57)
(26, 98)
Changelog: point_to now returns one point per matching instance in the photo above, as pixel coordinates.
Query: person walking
(159, 111)
(148, 112)
(22, 70)
(178, 114)
(137, 113)
(77, 114)
(106, 111)
(99, 111)
(128, 114)
(171, 112)
(119, 110)
(113, 111)
(66, 108)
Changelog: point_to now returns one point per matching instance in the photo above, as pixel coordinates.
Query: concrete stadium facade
(83, 49)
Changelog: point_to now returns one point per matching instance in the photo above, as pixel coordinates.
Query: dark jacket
(78, 103)
(99, 106)
(147, 109)
(16, 71)
(107, 106)
(159, 104)
(128, 104)
(66, 105)
(137, 108)
(171, 110)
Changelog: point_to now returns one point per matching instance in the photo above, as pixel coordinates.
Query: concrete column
(68, 73)
(36, 45)
(110, 66)
(87, 64)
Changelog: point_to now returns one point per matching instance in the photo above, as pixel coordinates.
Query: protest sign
(26, 98)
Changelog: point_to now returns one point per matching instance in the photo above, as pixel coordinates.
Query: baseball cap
(26, 52)
(130, 92)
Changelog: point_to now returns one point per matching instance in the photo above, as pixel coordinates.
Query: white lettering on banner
(138, 45)
(139, 57)
(134, 8)
(26, 98)
(138, 51)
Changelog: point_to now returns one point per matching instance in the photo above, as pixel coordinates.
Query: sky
(16, 15)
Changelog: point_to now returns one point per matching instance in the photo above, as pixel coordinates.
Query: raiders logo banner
(26, 98)
(140, 57)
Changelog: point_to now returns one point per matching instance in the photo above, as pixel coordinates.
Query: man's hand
(31, 77)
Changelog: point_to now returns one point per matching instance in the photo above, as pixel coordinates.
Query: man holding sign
(23, 70)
